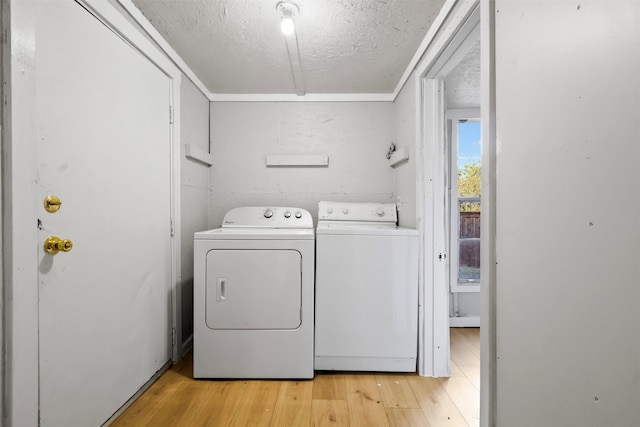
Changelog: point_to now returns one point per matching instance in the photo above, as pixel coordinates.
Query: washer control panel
(362, 212)
(268, 217)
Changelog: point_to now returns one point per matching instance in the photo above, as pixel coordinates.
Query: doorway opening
(450, 80)
(462, 148)
(450, 47)
(464, 213)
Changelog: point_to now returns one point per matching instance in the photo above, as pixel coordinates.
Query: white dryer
(366, 289)
(254, 295)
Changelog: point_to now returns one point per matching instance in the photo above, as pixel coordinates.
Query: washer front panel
(366, 302)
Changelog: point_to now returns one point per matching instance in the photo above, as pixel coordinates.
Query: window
(465, 204)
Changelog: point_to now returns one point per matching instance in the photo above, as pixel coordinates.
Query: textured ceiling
(346, 46)
(462, 85)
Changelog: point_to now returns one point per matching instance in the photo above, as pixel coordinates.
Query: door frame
(4, 29)
(449, 47)
(20, 260)
(488, 222)
(446, 49)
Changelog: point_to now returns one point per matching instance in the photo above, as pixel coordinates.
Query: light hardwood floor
(330, 399)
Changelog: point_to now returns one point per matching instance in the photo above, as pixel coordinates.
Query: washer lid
(267, 217)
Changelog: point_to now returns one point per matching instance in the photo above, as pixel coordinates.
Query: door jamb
(488, 298)
(4, 60)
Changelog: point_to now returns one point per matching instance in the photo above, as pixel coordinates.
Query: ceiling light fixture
(287, 26)
(287, 11)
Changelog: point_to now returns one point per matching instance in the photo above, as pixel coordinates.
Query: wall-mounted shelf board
(400, 155)
(198, 154)
(284, 160)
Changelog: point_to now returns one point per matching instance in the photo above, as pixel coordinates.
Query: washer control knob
(380, 212)
(287, 214)
(298, 214)
(345, 211)
(268, 213)
(329, 211)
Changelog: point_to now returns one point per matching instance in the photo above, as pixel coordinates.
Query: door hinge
(173, 228)
(170, 114)
(173, 337)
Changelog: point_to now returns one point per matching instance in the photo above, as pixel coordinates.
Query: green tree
(469, 184)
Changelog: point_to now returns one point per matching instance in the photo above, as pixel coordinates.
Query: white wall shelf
(288, 160)
(194, 153)
(400, 155)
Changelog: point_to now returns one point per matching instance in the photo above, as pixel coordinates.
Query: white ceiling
(346, 46)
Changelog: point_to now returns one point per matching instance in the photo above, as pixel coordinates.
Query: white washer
(366, 289)
(253, 295)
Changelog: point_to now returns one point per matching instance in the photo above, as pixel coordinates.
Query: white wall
(568, 149)
(194, 189)
(355, 135)
(405, 135)
(468, 306)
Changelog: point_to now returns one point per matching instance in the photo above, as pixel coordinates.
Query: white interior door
(104, 150)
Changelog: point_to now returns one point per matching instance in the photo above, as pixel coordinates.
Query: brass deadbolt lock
(54, 244)
(52, 204)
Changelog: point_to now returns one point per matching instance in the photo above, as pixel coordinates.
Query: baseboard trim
(186, 346)
(139, 393)
(464, 322)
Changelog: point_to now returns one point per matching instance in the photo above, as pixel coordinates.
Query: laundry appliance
(253, 295)
(366, 289)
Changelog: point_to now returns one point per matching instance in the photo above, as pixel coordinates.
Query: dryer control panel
(268, 217)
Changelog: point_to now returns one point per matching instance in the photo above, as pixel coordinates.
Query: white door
(104, 150)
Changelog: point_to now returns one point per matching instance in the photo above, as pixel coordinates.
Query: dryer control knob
(287, 214)
(345, 211)
(380, 212)
(268, 213)
(298, 214)
(329, 211)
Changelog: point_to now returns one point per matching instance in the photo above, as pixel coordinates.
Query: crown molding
(309, 97)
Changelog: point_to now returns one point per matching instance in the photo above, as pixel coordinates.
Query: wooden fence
(470, 239)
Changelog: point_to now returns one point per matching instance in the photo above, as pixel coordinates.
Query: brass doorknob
(54, 244)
